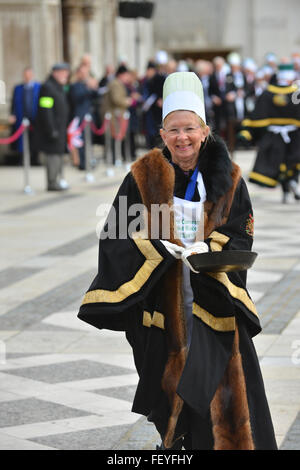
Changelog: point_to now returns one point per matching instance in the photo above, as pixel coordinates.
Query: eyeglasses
(174, 131)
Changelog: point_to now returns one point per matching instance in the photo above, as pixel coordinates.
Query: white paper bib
(188, 217)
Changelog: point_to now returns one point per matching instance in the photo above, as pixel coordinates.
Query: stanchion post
(128, 161)
(26, 157)
(118, 142)
(108, 146)
(88, 149)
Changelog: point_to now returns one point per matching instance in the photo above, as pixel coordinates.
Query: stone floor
(65, 385)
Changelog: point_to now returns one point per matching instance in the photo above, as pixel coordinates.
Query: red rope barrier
(123, 125)
(101, 129)
(15, 136)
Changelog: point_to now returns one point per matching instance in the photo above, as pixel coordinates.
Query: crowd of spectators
(231, 86)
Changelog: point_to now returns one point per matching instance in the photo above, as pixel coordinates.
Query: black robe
(276, 161)
(138, 290)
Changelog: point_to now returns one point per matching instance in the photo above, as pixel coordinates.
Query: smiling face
(183, 133)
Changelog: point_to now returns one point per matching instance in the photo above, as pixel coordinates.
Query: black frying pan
(223, 261)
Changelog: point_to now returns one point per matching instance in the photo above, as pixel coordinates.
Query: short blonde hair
(202, 123)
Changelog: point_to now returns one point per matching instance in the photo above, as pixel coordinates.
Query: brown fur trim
(177, 351)
(217, 214)
(229, 407)
(155, 178)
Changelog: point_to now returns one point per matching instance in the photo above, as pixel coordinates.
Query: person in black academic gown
(191, 333)
(274, 126)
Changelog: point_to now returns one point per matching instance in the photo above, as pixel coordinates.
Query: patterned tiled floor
(65, 385)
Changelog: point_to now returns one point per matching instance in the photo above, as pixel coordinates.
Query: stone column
(134, 41)
(88, 11)
(145, 47)
(109, 31)
(49, 40)
(93, 34)
(74, 31)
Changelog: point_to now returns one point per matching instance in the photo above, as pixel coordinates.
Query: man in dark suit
(24, 105)
(51, 124)
(217, 88)
(82, 94)
(235, 94)
(155, 88)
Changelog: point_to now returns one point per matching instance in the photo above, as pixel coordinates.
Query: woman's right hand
(174, 250)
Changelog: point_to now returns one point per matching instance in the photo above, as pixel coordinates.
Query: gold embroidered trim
(216, 323)
(280, 100)
(250, 226)
(263, 179)
(153, 259)
(270, 121)
(237, 292)
(246, 134)
(218, 240)
(158, 319)
(282, 90)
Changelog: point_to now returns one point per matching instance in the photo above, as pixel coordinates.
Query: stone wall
(41, 32)
(89, 27)
(30, 34)
(252, 27)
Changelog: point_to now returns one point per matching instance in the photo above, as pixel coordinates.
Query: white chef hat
(183, 91)
(234, 58)
(286, 73)
(182, 66)
(271, 57)
(260, 74)
(249, 64)
(161, 57)
(268, 70)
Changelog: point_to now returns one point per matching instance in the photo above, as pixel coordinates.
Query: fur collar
(155, 178)
(215, 166)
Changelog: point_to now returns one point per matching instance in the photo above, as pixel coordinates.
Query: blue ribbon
(190, 190)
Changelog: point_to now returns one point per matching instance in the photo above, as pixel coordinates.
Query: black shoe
(64, 184)
(55, 187)
(176, 446)
(295, 189)
(285, 198)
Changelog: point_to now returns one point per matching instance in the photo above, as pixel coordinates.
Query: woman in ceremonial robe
(191, 333)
